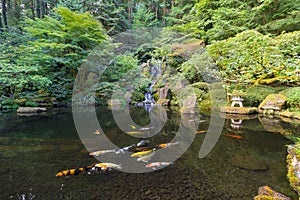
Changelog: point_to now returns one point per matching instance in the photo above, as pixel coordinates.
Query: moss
(255, 95)
(293, 98)
(205, 105)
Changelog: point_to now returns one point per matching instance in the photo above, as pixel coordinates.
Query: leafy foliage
(258, 58)
(64, 42)
(218, 20)
(293, 98)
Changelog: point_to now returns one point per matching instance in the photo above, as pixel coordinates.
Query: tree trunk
(4, 11)
(129, 10)
(44, 8)
(172, 3)
(1, 25)
(32, 9)
(38, 8)
(156, 13)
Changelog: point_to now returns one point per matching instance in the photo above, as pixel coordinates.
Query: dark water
(33, 149)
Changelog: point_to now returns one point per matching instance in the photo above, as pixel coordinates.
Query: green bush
(255, 95)
(8, 104)
(31, 104)
(293, 98)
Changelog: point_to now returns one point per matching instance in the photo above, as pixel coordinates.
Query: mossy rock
(273, 102)
(20, 102)
(43, 101)
(238, 110)
(266, 193)
(200, 86)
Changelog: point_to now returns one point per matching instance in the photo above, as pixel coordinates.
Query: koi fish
(146, 158)
(124, 149)
(142, 143)
(97, 132)
(139, 149)
(132, 126)
(97, 153)
(70, 172)
(165, 145)
(233, 136)
(146, 128)
(134, 132)
(141, 153)
(106, 166)
(200, 132)
(156, 165)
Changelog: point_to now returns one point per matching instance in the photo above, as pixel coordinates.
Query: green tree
(62, 43)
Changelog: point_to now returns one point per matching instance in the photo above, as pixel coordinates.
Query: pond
(249, 153)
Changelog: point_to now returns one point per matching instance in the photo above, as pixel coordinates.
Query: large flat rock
(238, 110)
(31, 110)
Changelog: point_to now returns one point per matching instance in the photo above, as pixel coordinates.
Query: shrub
(255, 95)
(293, 98)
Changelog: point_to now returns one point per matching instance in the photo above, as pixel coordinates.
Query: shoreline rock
(265, 192)
(238, 110)
(31, 110)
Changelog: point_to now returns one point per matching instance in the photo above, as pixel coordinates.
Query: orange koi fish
(70, 172)
(233, 136)
(165, 145)
(97, 132)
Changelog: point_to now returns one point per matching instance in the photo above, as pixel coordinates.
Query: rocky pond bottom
(33, 149)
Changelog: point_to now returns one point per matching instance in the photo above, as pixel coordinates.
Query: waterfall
(155, 72)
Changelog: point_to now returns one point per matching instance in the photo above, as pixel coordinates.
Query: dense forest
(250, 43)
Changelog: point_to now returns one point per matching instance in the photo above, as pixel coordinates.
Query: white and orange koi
(156, 165)
(106, 166)
(97, 153)
(165, 145)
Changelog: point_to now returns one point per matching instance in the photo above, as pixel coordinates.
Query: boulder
(294, 167)
(31, 110)
(163, 102)
(163, 92)
(128, 97)
(189, 105)
(238, 110)
(273, 102)
(266, 192)
(114, 102)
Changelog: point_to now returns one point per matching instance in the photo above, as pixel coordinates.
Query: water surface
(33, 149)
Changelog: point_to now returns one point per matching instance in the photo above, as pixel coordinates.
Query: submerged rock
(266, 192)
(248, 163)
(31, 110)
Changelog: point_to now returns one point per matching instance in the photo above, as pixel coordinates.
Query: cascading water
(155, 72)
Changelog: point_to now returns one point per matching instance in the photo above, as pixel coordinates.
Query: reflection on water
(34, 149)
